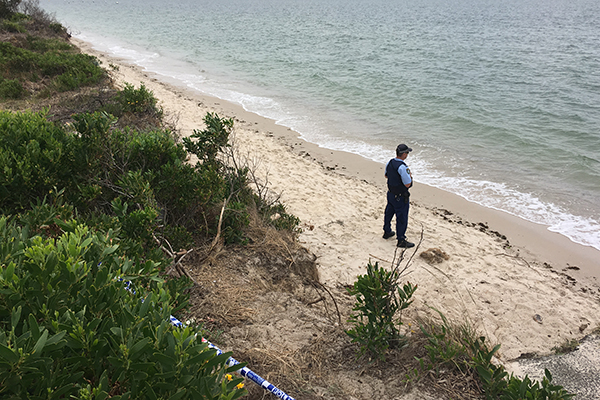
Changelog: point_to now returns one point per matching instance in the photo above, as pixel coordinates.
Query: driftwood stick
(220, 224)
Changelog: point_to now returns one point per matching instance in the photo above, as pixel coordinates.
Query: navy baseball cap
(402, 148)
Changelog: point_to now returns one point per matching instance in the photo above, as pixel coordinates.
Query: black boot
(405, 244)
(387, 235)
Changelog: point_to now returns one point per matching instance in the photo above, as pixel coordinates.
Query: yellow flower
(240, 385)
(229, 378)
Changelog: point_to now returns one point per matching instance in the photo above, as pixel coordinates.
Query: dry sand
(530, 293)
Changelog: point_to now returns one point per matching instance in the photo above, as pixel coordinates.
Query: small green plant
(518, 389)
(491, 375)
(461, 348)
(568, 346)
(498, 385)
(277, 216)
(140, 100)
(207, 143)
(379, 297)
(442, 346)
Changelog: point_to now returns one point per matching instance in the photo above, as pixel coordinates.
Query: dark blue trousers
(398, 206)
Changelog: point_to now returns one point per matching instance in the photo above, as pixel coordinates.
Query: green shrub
(379, 297)
(137, 225)
(70, 328)
(139, 101)
(79, 70)
(35, 158)
(207, 143)
(11, 89)
(58, 28)
(15, 27)
(235, 219)
(492, 376)
(498, 385)
(19, 16)
(277, 216)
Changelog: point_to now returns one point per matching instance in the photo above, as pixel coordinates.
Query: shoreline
(339, 197)
(533, 240)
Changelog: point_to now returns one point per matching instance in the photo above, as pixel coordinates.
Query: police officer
(399, 180)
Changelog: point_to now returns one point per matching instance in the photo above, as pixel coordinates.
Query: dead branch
(318, 285)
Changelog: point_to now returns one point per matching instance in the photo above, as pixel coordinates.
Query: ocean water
(499, 99)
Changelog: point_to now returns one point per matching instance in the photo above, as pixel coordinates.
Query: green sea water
(499, 99)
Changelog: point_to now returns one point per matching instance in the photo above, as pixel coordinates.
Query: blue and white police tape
(245, 371)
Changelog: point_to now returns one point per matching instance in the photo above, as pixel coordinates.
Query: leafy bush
(207, 143)
(235, 219)
(278, 216)
(69, 327)
(72, 71)
(491, 375)
(379, 297)
(10, 26)
(38, 44)
(498, 385)
(139, 100)
(11, 89)
(35, 158)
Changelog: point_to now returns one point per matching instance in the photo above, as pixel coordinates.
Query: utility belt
(399, 193)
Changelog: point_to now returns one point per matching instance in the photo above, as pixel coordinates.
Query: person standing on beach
(399, 180)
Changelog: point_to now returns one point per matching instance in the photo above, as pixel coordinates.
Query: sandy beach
(519, 284)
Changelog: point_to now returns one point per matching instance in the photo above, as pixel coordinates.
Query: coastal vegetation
(101, 200)
(96, 204)
(380, 299)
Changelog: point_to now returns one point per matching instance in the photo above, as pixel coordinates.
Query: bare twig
(318, 285)
(321, 298)
(218, 235)
(176, 257)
